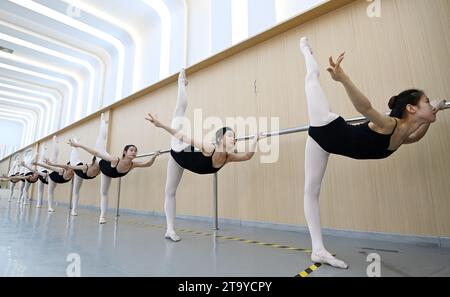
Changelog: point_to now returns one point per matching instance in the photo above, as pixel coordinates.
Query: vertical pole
(118, 197)
(9, 168)
(215, 206)
(71, 195)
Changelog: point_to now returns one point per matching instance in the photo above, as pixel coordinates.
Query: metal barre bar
(152, 153)
(119, 185)
(295, 129)
(71, 196)
(305, 128)
(268, 134)
(215, 200)
(161, 152)
(284, 131)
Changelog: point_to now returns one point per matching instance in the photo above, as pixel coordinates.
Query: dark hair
(221, 132)
(398, 103)
(93, 160)
(127, 147)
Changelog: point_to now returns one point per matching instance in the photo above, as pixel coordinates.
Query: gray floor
(35, 243)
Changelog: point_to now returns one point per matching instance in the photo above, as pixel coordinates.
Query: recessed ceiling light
(6, 50)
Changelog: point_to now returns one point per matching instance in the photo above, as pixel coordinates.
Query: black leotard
(43, 179)
(82, 174)
(58, 178)
(28, 180)
(353, 141)
(16, 174)
(108, 170)
(195, 161)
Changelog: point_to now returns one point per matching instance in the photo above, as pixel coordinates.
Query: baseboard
(432, 241)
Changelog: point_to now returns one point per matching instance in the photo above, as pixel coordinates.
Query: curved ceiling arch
(61, 56)
(35, 109)
(43, 106)
(18, 120)
(65, 82)
(74, 64)
(30, 87)
(72, 22)
(38, 95)
(6, 111)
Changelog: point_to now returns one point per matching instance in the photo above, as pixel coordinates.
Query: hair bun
(392, 102)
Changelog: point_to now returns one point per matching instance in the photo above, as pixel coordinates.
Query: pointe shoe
(304, 45)
(73, 213)
(172, 236)
(182, 77)
(325, 257)
(102, 221)
(51, 210)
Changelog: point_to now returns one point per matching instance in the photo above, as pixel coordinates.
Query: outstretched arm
(148, 163)
(359, 100)
(18, 177)
(27, 167)
(52, 168)
(91, 151)
(240, 157)
(64, 166)
(206, 148)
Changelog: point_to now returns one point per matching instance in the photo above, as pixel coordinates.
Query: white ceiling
(72, 57)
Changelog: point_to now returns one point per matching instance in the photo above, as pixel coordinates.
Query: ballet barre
(447, 104)
(305, 128)
(215, 177)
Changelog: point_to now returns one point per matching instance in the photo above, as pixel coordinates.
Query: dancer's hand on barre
(154, 120)
(73, 143)
(336, 71)
(47, 161)
(261, 135)
(149, 162)
(438, 105)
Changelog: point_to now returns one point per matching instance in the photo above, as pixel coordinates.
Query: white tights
(175, 171)
(77, 181)
(100, 145)
(11, 188)
(316, 158)
(52, 184)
